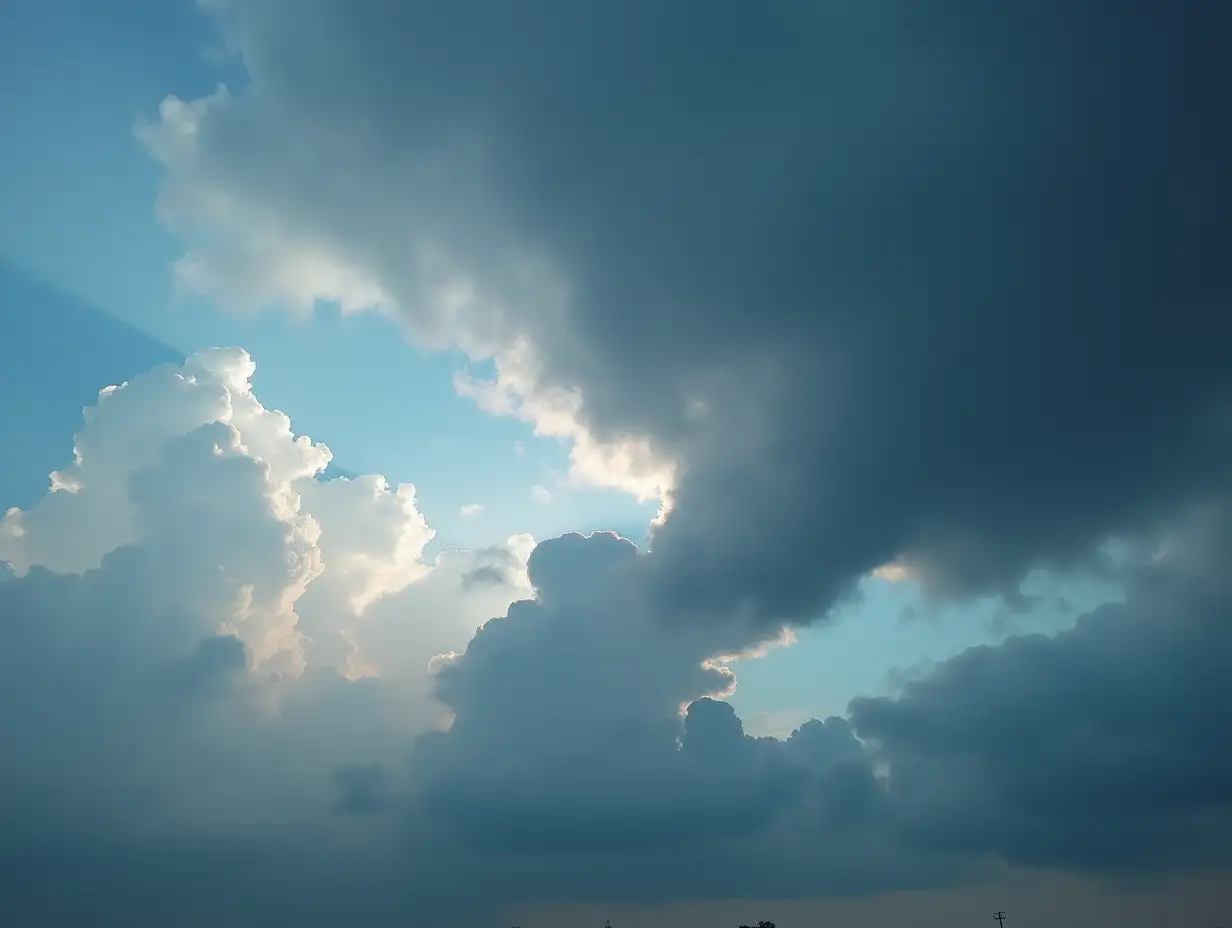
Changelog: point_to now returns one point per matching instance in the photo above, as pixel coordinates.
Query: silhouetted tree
(761, 925)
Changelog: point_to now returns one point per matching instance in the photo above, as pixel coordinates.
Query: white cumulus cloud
(186, 457)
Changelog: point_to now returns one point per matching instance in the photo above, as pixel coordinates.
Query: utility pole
(1000, 917)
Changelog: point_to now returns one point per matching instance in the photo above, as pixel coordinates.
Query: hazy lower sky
(550, 462)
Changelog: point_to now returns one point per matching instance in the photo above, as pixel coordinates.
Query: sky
(535, 464)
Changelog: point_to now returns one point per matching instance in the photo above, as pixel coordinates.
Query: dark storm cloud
(568, 740)
(940, 282)
(566, 718)
(1103, 748)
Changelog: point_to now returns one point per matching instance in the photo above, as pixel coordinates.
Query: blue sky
(81, 195)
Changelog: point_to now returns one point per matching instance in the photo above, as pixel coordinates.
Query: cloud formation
(936, 292)
(860, 283)
(1098, 751)
(172, 614)
(252, 678)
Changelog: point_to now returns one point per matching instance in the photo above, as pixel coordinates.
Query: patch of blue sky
(890, 633)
